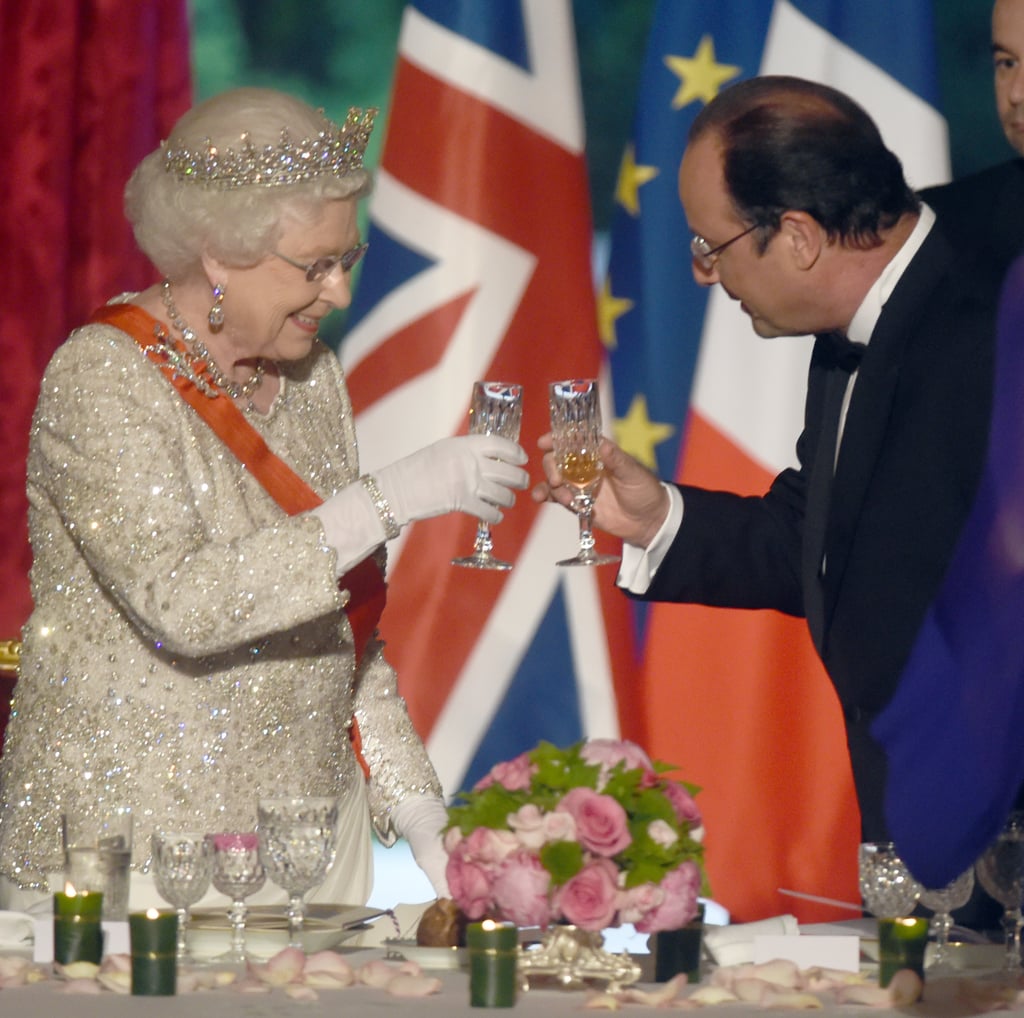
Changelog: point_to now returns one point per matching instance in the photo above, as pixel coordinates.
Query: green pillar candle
(77, 934)
(493, 950)
(154, 946)
(901, 944)
(677, 951)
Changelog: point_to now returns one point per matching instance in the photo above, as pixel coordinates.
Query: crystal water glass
(238, 873)
(182, 870)
(575, 408)
(886, 886)
(1000, 870)
(297, 843)
(496, 409)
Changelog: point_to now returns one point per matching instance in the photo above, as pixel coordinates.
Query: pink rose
(680, 905)
(683, 803)
(637, 902)
(487, 845)
(521, 890)
(609, 752)
(470, 885)
(590, 899)
(513, 774)
(601, 823)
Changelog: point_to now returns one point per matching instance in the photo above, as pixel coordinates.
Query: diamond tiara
(337, 151)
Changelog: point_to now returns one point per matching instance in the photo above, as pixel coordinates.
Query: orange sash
(364, 582)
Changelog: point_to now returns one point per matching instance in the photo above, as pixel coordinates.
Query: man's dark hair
(788, 143)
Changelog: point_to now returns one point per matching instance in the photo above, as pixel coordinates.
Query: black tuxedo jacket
(909, 463)
(984, 213)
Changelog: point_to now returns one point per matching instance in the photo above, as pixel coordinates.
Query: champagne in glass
(496, 409)
(576, 431)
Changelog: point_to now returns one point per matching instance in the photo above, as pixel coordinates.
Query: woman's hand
(631, 502)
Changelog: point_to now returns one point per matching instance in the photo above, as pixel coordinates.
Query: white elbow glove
(470, 473)
(421, 820)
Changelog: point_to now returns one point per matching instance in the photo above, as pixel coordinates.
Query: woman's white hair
(176, 220)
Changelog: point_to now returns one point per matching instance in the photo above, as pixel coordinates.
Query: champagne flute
(182, 870)
(297, 842)
(496, 409)
(238, 873)
(576, 431)
(888, 889)
(1000, 871)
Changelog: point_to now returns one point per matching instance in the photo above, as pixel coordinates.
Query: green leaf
(562, 859)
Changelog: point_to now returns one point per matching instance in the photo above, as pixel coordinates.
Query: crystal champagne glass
(886, 886)
(238, 873)
(942, 901)
(182, 870)
(1000, 871)
(496, 409)
(576, 432)
(297, 841)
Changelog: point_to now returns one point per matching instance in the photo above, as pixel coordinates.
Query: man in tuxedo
(984, 212)
(801, 214)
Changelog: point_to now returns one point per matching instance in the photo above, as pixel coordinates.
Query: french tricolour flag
(480, 268)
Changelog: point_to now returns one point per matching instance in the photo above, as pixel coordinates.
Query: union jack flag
(480, 267)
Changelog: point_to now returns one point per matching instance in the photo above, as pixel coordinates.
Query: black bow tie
(846, 352)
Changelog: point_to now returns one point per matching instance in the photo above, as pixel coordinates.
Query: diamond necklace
(202, 361)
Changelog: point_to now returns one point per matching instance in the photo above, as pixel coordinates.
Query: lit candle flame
(489, 925)
(152, 913)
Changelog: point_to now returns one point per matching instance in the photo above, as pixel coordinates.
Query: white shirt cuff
(639, 565)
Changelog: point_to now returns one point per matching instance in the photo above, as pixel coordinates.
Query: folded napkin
(17, 931)
(733, 945)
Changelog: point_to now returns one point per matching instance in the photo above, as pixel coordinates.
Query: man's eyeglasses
(323, 267)
(705, 255)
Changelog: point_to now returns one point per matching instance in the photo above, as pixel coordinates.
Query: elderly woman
(207, 574)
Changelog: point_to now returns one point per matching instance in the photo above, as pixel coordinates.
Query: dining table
(943, 998)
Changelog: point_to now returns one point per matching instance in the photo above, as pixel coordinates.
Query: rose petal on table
(905, 987)
(662, 995)
(298, 991)
(870, 994)
(819, 979)
(404, 985)
(116, 963)
(194, 980)
(284, 967)
(119, 982)
(328, 970)
(78, 970)
(986, 996)
(15, 971)
(790, 1000)
(780, 972)
(712, 995)
(376, 973)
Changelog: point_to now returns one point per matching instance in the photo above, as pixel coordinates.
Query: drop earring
(216, 315)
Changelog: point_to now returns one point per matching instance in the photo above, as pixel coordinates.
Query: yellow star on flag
(609, 310)
(638, 434)
(631, 179)
(701, 76)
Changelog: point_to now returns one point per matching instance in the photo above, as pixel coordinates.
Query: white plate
(426, 957)
(266, 928)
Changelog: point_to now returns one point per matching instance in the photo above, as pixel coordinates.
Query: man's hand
(631, 503)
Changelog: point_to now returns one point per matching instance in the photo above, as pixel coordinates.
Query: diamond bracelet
(392, 528)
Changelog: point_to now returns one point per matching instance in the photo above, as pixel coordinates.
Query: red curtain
(87, 88)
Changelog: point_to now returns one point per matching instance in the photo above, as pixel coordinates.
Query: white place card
(810, 951)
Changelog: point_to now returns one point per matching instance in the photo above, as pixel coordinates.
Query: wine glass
(886, 886)
(238, 873)
(297, 840)
(576, 431)
(1000, 871)
(182, 869)
(496, 409)
(942, 901)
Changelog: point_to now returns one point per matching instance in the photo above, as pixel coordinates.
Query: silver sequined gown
(186, 653)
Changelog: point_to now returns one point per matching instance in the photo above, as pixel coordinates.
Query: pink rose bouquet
(594, 835)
